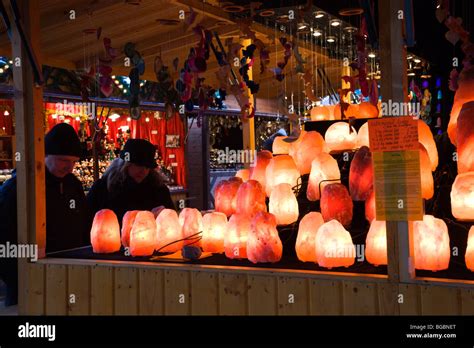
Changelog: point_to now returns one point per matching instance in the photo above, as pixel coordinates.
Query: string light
(129, 119)
(147, 119)
(6, 113)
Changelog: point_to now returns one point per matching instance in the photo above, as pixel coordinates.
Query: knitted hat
(62, 139)
(140, 152)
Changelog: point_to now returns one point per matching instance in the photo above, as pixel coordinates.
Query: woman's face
(137, 173)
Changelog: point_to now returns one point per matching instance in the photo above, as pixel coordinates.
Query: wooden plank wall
(119, 290)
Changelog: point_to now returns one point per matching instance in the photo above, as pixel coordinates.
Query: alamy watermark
(356, 251)
(76, 108)
(20, 251)
(391, 108)
(236, 156)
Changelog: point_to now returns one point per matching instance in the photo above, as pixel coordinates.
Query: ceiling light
(416, 60)
(114, 117)
(409, 57)
(372, 55)
(411, 73)
(317, 33)
(319, 14)
(335, 22)
(302, 26)
(330, 39)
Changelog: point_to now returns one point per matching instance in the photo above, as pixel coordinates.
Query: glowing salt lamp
(367, 110)
(306, 240)
(425, 137)
(462, 196)
(190, 220)
(281, 170)
(323, 167)
(320, 113)
(336, 204)
(352, 111)
(225, 195)
(339, 137)
(250, 198)
(243, 174)
(280, 147)
(304, 151)
(168, 230)
(376, 243)
(127, 223)
(214, 227)
(263, 243)
(283, 204)
(363, 135)
(427, 183)
(464, 94)
(336, 112)
(331, 109)
(143, 234)
(361, 175)
(105, 232)
(235, 239)
(465, 138)
(334, 247)
(370, 207)
(259, 171)
(431, 241)
(469, 257)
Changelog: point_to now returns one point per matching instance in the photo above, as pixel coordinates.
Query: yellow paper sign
(397, 184)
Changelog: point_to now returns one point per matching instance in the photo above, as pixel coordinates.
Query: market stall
(311, 227)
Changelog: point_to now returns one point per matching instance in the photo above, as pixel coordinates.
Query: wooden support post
(29, 130)
(248, 126)
(394, 87)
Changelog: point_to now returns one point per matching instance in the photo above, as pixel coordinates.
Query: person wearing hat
(131, 182)
(68, 218)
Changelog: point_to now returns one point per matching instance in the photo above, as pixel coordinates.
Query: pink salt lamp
(370, 207)
(334, 247)
(427, 183)
(143, 234)
(225, 195)
(340, 137)
(263, 243)
(431, 241)
(336, 204)
(425, 137)
(214, 228)
(283, 204)
(168, 230)
(127, 223)
(464, 94)
(243, 174)
(306, 239)
(280, 146)
(235, 239)
(361, 175)
(376, 243)
(105, 232)
(363, 135)
(281, 170)
(368, 110)
(259, 171)
(352, 111)
(305, 150)
(465, 138)
(320, 113)
(190, 220)
(250, 198)
(469, 257)
(462, 197)
(324, 167)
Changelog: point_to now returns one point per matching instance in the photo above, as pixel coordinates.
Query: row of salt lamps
(233, 196)
(333, 112)
(144, 233)
(431, 238)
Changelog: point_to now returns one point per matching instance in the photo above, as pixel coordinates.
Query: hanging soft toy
(105, 69)
(137, 70)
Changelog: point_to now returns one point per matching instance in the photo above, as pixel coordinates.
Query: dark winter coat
(68, 221)
(129, 196)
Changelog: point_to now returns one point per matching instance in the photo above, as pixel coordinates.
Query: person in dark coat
(68, 219)
(131, 182)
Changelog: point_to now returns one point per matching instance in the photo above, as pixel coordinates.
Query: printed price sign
(396, 159)
(393, 134)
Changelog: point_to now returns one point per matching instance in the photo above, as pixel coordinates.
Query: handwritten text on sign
(393, 134)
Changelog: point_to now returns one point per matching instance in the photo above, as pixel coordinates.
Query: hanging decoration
(105, 68)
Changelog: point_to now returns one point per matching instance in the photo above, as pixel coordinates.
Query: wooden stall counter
(63, 286)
